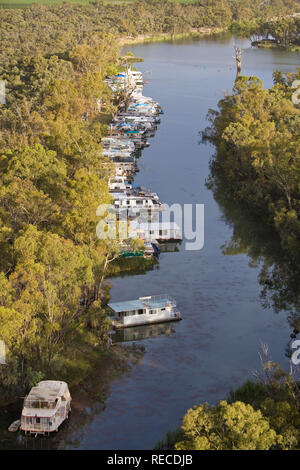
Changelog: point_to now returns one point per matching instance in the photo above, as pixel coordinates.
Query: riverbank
(213, 315)
(150, 38)
(272, 44)
(87, 346)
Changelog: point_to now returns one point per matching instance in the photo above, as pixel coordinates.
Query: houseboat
(45, 407)
(144, 311)
(119, 183)
(124, 166)
(117, 139)
(113, 154)
(160, 231)
(135, 205)
(129, 117)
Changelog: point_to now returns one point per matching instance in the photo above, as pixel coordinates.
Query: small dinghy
(15, 426)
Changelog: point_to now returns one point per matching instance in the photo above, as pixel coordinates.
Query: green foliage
(54, 60)
(53, 179)
(57, 28)
(259, 415)
(226, 426)
(170, 440)
(276, 394)
(284, 30)
(256, 134)
(250, 392)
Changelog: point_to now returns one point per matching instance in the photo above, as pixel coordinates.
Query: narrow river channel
(215, 347)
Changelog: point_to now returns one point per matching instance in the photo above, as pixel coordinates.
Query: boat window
(140, 311)
(152, 312)
(130, 313)
(40, 404)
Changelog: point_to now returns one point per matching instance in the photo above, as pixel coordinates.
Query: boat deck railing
(158, 300)
(36, 427)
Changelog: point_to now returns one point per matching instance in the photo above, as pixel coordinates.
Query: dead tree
(238, 59)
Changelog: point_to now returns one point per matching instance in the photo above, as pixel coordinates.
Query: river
(215, 347)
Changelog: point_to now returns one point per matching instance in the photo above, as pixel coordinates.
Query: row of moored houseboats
(49, 402)
(138, 206)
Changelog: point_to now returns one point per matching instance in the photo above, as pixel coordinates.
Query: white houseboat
(151, 231)
(124, 166)
(144, 311)
(45, 407)
(119, 183)
(136, 205)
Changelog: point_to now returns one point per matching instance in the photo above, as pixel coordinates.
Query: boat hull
(146, 321)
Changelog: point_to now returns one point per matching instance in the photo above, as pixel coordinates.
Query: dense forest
(256, 133)
(53, 62)
(58, 28)
(53, 178)
(283, 32)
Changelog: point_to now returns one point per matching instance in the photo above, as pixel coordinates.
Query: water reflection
(137, 333)
(278, 274)
(169, 247)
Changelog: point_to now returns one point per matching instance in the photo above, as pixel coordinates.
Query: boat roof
(126, 305)
(47, 390)
(155, 301)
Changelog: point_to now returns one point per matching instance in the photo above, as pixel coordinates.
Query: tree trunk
(238, 59)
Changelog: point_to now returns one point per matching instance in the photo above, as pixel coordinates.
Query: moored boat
(46, 407)
(144, 311)
(15, 426)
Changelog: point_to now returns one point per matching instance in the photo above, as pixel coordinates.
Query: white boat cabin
(137, 202)
(160, 231)
(119, 183)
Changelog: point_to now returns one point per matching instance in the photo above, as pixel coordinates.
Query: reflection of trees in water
(89, 400)
(279, 275)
